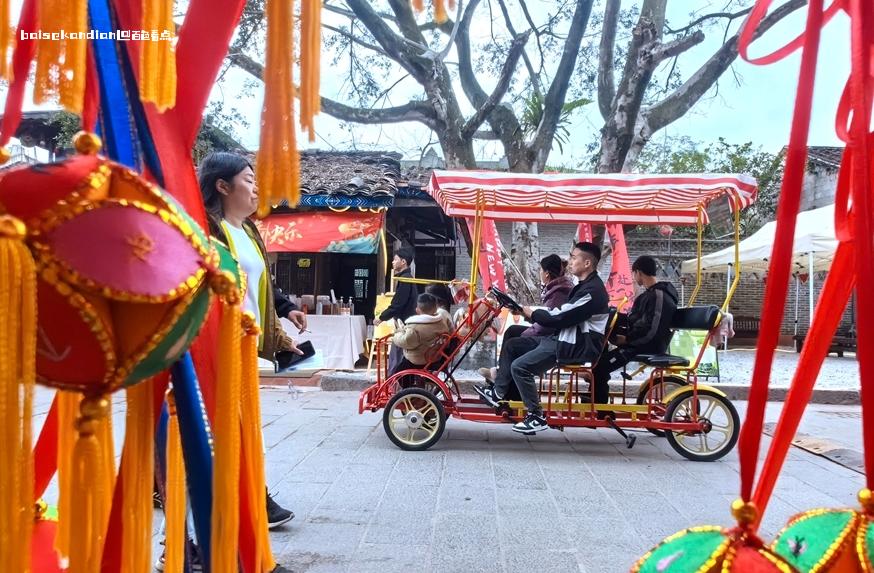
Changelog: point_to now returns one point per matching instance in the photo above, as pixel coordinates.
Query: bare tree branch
(676, 47)
(394, 45)
(728, 15)
(349, 14)
(535, 79)
(606, 83)
(554, 100)
(353, 38)
(515, 51)
(471, 86)
(418, 111)
(414, 110)
(683, 98)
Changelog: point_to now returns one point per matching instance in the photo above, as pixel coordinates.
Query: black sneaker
(195, 565)
(488, 395)
(532, 423)
(276, 514)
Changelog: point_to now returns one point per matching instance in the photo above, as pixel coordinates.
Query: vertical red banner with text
(584, 233)
(491, 268)
(619, 283)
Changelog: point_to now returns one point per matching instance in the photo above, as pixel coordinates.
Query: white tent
(813, 250)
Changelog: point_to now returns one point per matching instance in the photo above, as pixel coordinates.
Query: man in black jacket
(580, 324)
(649, 325)
(403, 303)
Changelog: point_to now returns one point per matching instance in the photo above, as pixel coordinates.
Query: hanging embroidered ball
(122, 287)
(708, 549)
(829, 540)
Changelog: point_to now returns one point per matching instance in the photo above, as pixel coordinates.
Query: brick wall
(747, 300)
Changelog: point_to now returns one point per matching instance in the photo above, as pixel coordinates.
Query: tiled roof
(349, 173)
(825, 156)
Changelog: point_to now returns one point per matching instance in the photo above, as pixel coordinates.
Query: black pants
(510, 351)
(610, 361)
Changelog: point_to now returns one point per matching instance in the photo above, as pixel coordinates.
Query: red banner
(584, 233)
(619, 283)
(351, 232)
(491, 268)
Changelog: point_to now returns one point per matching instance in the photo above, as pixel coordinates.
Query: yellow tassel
(226, 431)
(278, 167)
(5, 41)
(440, 14)
(61, 63)
(174, 509)
(17, 378)
(310, 60)
(68, 409)
(138, 474)
(107, 449)
(158, 57)
(89, 490)
(251, 425)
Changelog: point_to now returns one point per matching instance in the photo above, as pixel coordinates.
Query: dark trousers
(510, 351)
(395, 355)
(404, 364)
(610, 361)
(530, 366)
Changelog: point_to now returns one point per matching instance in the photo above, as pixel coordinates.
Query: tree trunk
(522, 276)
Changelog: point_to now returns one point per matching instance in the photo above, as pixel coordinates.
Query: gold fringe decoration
(226, 431)
(61, 64)
(68, 408)
(17, 379)
(158, 58)
(254, 447)
(138, 474)
(5, 41)
(174, 510)
(310, 60)
(278, 163)
(89, 489)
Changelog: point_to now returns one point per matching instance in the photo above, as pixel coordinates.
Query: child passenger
(420, 333)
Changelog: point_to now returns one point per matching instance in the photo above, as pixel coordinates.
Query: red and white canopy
(633, 199)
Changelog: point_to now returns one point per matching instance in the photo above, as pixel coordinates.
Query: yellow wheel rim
(414, 420)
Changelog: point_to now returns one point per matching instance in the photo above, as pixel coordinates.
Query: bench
(841, 343)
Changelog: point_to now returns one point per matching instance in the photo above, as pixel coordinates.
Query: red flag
(584, 233)
(619, 283)
(491, 268)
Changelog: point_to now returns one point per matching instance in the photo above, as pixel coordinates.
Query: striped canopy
(632, 199)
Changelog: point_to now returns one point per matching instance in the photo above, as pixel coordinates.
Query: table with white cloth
(339, 337)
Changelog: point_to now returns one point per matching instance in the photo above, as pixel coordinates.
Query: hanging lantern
(666, 230)
(121, 290)
(708, 549)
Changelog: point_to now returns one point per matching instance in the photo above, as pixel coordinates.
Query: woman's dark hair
(553, 265)
(218, 165)
(442, 293)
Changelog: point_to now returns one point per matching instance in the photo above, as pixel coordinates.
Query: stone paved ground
(487, 499)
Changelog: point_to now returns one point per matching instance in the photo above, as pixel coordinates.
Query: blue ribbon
(195, 449)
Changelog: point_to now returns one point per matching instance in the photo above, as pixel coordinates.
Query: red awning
(352, 232)
(635, 199)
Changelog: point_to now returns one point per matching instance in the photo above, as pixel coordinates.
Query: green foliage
(683, 155)
(532, 114)
(68, 125)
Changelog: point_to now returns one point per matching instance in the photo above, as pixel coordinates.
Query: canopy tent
(813, 249)
(632, 199)
(814, 233)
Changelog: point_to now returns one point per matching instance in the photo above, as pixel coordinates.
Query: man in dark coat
(649, 323)
(403, 303)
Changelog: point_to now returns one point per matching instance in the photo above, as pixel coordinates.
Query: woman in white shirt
(230, 195)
